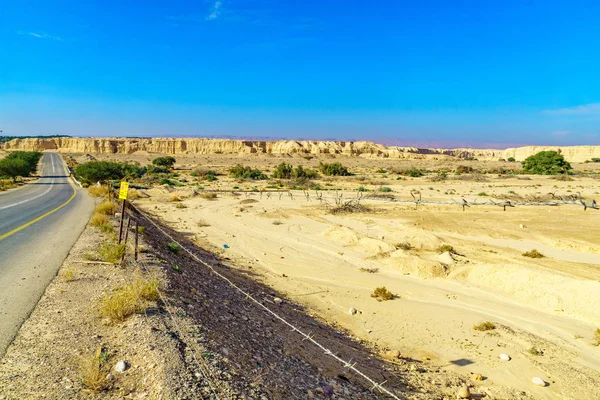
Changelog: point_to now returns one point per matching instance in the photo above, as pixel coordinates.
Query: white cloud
(40, 35)
(583, 109)
(215, 10)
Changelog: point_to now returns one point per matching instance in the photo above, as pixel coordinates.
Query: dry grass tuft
(202, 223)
(535, 352)
(369, 270)
(180, 205)
(98, 191)
(533, 254)
(484, 326)
(128, 300)
(208, 195)
(111, 252)
(106, 208)
(404, 246)
(175, 199)
(348, 207)
(382, 294)
(92, 372)
(597, 337)
(446, 248)
(68, 275)
(98, 219)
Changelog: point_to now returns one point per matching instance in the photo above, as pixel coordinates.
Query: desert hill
(229, 146)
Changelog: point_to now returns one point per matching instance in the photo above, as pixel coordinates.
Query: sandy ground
(315, 257)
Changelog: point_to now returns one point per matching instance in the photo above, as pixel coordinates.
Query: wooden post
(125, 240)
(137, 231)
(121, 221)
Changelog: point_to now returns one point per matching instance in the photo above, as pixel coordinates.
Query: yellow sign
(123, 191)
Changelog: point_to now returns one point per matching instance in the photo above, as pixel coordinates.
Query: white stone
(538, 381)
(504, 357)
(463, 393)
(446, 258)
(121, 366)
(277, 300)
(352, 311)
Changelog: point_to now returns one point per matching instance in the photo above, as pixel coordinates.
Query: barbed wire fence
(205, 370)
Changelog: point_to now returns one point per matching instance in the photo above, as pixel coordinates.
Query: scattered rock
(392, 354)
(504, 357)
(539, 382)
(352, 311)
(121, 366)
(446, 258)
(521, 226)
(277, 300)
(463, 393)
(477, 377)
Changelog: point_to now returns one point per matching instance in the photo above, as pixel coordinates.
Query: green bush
(511, 159)
(412, 172)
(464, 169)
(101, 171)
(19, 163)
(208, 175)
(333, 169)
(546, 163)
(157, 169)
(174, 247)
(164, 161)
(283, 171)
(245, 172)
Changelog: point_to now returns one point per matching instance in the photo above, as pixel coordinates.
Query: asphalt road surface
(39, 223)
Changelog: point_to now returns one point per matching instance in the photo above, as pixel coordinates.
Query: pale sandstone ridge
(228, 146)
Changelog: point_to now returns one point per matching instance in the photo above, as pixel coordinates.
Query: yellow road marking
(33, 221)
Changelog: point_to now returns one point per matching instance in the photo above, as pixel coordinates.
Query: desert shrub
(439, 177)
(98, 219)
(175, 198)
(385, 189)
(511, 159)
(369, 270)
(562, 178)
(361, 189)
(92, 371)
(333, 169)
(546, 163)
(68, 274)
(403, 246)
(464, 169)
(98, 191)
(382, 294)
(533, 254)
(111, 252)
(348, 207)
(246, 172)
(141, 229)
(484, 326)
(106, 208)
(412, 172)
(595, 159)
(128, 300)
(597, 337)
(165, 181)
(174, 247)
(208, 175)
(482, 194)
(446, 248)
(301, 172)
(535, 352)
(106, 228)
(283, 171)
(6, 184)
(202, 223)
(164, 161)
(157, 169)
(180, 205)
(208, 195)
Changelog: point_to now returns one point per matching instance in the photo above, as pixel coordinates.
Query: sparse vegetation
(348, 206)
(180, 205)
(202, 174)
(333, 169)
(106, 208)
(98, 191)
(111, 252)
(535, 352)
(141, 229)
(597, 337)
(92, 372)
(208, 195)
(202, 223)
(369, 270)
(175, 198)
(245, 172)
(129, 299)
(98, 219)
(511, 159)
(446, 248)
(382, 294)
(533, 254)
(174, 247)
(485, 326)
(412, 172)
(403, 246)
(68, 275)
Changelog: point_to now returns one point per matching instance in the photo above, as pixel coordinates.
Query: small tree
(511, 159)
(164, 161)
(283, 171)
(100, 171)
(546, 163)
(14, 167)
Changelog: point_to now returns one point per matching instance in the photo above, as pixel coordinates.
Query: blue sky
(451, 72)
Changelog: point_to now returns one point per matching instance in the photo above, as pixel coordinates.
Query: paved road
(38, 226)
